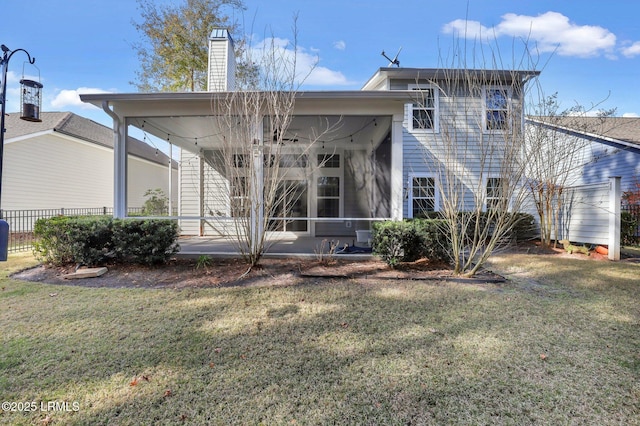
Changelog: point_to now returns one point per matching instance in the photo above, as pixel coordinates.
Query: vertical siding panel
(189, 182)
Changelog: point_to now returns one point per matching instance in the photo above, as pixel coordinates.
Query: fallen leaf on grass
(53, 294)
(543, 357)
(137, 379)
(211, 365)
(47, 420)
(168, 393)
(344, 325)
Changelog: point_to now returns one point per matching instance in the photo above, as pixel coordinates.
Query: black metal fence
(634, 211)
(21, 222)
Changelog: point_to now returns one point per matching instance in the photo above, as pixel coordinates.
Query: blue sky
(589, 50)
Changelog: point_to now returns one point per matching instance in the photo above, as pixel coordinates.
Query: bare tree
(555, 154)
(258, 176)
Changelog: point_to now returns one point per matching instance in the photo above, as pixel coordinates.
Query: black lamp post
(31, 103)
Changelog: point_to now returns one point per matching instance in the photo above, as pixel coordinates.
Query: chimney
(222, 62)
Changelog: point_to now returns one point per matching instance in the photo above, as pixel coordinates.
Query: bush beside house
(94, 240)
(414, 239)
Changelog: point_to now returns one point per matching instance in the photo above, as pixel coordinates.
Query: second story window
(424, 110)
(496, 108)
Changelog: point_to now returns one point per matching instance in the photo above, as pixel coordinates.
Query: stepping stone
(86, 273)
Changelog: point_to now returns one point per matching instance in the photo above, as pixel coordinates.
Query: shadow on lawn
(331, 351)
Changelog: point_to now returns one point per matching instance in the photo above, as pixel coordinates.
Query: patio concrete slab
(276, 247)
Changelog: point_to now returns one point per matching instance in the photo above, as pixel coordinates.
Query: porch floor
(280, 247)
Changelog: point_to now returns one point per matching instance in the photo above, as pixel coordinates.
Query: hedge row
(414, 239)
(95, 240)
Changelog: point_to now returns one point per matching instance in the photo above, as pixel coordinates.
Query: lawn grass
(557, 344)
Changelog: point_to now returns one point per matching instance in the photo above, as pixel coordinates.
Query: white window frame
(328, 172)
(436, 108)
(410, 198)
(508, 91)
(485, 188)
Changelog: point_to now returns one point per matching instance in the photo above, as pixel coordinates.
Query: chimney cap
(220, 33)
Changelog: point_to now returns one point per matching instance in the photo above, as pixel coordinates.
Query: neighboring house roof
(79, 127)
(622, 131)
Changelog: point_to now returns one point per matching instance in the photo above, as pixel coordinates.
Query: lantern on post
(30, 100)
(31, 97)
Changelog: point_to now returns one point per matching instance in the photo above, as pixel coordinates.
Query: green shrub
(53, 242)
(145, 241)
(433, 239)
(93, 240)
(410, 240)
(157, 203)
(388, 241)
(628, 229)
(72, 239)
(524, 228)
(414, 239)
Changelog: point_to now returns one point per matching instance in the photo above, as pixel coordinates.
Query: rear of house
(346, 158)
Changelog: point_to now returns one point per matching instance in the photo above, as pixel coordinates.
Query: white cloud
(473, 30)
(550, 31)
(70, 98)
(340, 45)
(631, 50)
(631, 115)
(307, 69)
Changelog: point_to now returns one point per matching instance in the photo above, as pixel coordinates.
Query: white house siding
(608, 161)
(585, 217)
(190, 192)
(145, 175)
(426, 153)
(52, 171)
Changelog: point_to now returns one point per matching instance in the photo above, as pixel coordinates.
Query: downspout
(119, 164)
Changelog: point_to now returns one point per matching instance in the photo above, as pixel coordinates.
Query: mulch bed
(186, 273)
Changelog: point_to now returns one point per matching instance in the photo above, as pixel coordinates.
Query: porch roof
(189, 103)
(185, 118)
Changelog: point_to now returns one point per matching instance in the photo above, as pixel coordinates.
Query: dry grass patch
(558, 344)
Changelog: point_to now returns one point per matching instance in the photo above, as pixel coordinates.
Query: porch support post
(397, 190)
(615, 194)
(257, 197)
(170, 179)
(119, 162)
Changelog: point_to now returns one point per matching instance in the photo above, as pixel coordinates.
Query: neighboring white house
(380, 150)
(601, 156)
(610, 146)
(66, 161)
